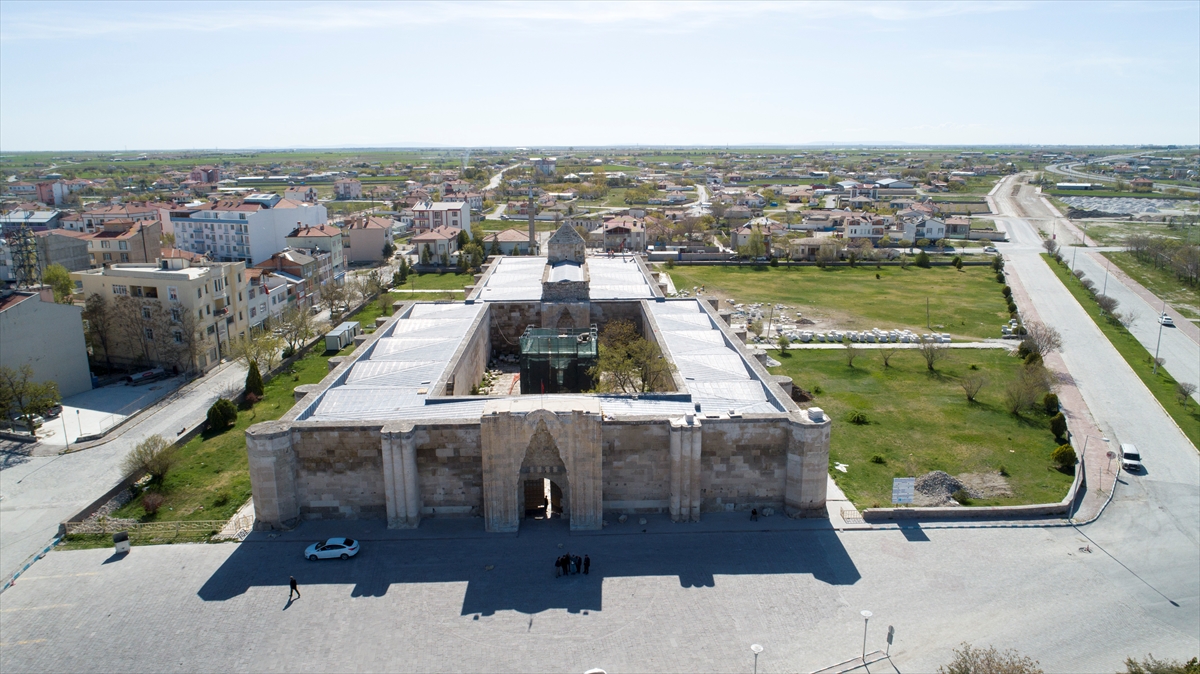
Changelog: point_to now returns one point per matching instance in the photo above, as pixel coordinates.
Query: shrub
(858, 418)
(957, 262)
(968, 660)
(221, 415)
(923, 260)
(816, 390)
(999, 277)
(1064, 456)
(1050, 402)
(1003, 470)
(154, 455)
(961, 496)
(1058, 425)
(152, 501)
(1006, 291)
(254, 380)
(1033, 359)
(998, 264)
(288, 352)
(221, 499)
(878, 459)
(1152, 665)
(1025, 348)
(1012, 307)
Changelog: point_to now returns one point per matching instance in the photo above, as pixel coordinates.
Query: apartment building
(347, 188)
(249, 230)
(365, 238)
(63, 247)
(46, 336)
(322, 239)
(93, 220)
(430, 215)
(303, 270)
(176, 313)
(269, 293)
(123, 241)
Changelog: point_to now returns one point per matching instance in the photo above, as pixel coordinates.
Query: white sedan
(1166, 320)
(341, 548)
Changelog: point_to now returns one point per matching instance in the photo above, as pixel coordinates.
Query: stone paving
(448, 597)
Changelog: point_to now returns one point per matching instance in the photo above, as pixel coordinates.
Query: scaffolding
(557, 361)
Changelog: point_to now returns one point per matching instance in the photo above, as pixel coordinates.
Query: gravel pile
(937, 485)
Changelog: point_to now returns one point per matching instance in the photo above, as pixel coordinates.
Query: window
(108, 257)
(253, 312)
(149, 334)
(178, 337)
(146, 313)
(211, 329)
(120, 290)
(173, 293)
(198, 293)
(251, 293)
(240, 297)
(122, 245)
(135, 291)
(124, 257)
(200, 312)
(106, 244)
(242, 216)
(176, 314)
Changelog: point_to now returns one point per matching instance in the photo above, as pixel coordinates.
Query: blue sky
(90, 76)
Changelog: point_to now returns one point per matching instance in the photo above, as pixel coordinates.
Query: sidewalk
(1079, 418)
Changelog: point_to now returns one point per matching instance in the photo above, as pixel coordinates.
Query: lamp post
(866, 619)
(756, 649)
(1159, 342)
(66, 438)
(1106, 269)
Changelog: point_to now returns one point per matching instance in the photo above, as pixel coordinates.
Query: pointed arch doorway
(545, 487)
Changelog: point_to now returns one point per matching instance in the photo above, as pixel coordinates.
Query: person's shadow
(289, 603)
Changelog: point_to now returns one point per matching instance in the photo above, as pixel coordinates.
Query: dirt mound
(934, 489)
(800, 395)
(1080, 214)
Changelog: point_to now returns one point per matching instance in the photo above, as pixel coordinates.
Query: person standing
(293, 588)
(754, 514)
(587, 563)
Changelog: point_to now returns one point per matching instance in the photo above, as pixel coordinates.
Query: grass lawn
(921, 421)
(443, 281)
(1161, 384)
(1165, 285)
(967, 303)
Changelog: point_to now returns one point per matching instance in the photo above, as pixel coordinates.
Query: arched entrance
(544, 488)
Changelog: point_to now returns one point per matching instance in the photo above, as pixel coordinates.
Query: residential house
(958, 228)
(63, 247)
(22, 189)
(93, 219)
(124, 241)
(269, 293)
(365, 238)
(439, 242)
(46, 336)
(508, 240)
(431, 215)
(916, 229)
(328, 239)
(624, 236)
(301, 193)
(347, 188)
(303, 271)
(188, 312)
(205, 174)
(1141, 185)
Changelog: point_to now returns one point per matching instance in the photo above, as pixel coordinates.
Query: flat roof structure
(516, 279)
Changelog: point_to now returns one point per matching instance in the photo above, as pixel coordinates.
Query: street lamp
(756, 649)
(866, 619)
(1106, 269)
(1159, 342)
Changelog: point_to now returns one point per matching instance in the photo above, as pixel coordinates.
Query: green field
(1164, 284)
(1161, 385)
(966, 303)
(921, 421)
(1114, 232)
(445, 281)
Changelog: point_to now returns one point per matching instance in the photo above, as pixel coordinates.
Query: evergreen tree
(254, 380)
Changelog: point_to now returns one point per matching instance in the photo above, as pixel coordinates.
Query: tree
(1152, 665)
(100, 329)
(334, 297)
(59, 279)
(1051, 247)
(1064, 456)
(1058, 426)
(932, 352)
(463, 238)
(922, 260)
(254, 381)
(296, 326)
(782, 342)
(852, 351)
(1041, 338)
(389, 249)
(1107, 304)
(155, 455)
(30, 398)
(972, 384)
(755, 327)
(426, 255)
(629, 363)
(754, 247)
(969, 660)
(1184, 390)
(887, 352)
(1030, 385)
(259, 348)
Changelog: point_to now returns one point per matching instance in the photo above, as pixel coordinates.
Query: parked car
(1131, 460)
(53, 412)
(990, 249)
(339, 548)
(1166, 320)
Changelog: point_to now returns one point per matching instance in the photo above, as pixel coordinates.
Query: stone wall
(450, 469)
(471, 360)
(564, 291)
(637, 466)
(743, 464)
(604, 312)
(507, 322)
(339, 472)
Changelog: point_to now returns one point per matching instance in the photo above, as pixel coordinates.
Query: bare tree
(296, 326)
(1127, 319)
(887, 353)
(852, 352)
(972, 384)
(333, 297)
(1051, 246)
(1033, 381)
(100, 329)
(260, 346)
(932, 352)
(1107, 304)
(1184, 390)
(130, 325)
(1042, 338)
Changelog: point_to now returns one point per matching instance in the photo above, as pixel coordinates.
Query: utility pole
(927, 325)
(1159, 342)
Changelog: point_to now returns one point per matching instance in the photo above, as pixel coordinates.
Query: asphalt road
(1070, 171)
(38, 492)
(1153, 524)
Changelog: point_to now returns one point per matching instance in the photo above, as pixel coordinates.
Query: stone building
(396, 432)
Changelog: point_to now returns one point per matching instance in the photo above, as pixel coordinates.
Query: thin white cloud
(48, 21)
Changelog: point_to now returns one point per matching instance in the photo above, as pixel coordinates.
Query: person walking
(587, 563)
(754, 514)
(293, 588)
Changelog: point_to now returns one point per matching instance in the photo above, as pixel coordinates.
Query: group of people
(568, 564)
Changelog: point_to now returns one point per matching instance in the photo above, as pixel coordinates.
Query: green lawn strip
(1164, 284)
(921, 421)
(443, 281)
(1161, 385)
(968, 302)
(211, 480)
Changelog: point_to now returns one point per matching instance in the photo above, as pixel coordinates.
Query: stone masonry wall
(339, 473)
(743, 463)
(473, 360)
(507, 322)
(449, 462)
(637, 467)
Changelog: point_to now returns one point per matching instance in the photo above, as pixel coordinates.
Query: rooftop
(515, 279)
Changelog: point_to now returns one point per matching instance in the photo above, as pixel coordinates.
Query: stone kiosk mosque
(395, 431)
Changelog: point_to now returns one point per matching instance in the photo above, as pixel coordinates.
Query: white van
(1131, 461)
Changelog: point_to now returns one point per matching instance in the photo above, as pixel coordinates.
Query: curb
(29, 562)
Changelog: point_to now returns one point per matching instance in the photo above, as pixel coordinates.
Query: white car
(1131, 459)
(1166, 320)
(339, 548)
(990, 249)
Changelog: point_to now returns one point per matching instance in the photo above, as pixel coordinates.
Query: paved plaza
(681, 597)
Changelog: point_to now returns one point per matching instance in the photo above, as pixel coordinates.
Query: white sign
(902, 489)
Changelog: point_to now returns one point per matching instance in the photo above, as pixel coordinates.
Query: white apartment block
(429, 215)
(347, 189)
(248, 230)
